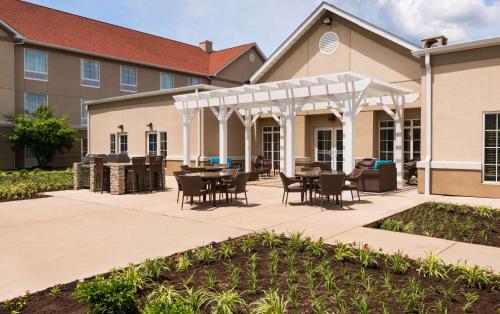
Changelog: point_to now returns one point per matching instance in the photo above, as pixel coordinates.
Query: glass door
(324, 145)
(339, 150)
(271, 144)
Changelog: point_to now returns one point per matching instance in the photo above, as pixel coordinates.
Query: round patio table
(213, 177)
(310, 176)
(213, 168)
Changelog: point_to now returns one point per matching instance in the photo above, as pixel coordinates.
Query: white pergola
(344, 94)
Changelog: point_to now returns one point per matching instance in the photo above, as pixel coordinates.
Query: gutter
(428, 123)
(481, 43)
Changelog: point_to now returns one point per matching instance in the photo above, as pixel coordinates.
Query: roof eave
(254, 45)
(17, 35)
(309, 21)
(487, 42)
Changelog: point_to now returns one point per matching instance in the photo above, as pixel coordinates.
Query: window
(90, 73)
(163, 144)
(33, 101)
(166, 81)
(123, 143)
(491, 169)
(112, 143)
(152, 140)
(193, 81)
(83, 112)
(411, 140)
(128, 79)
(386, 140)
(271, 144)
(84, 148)
(35, 64)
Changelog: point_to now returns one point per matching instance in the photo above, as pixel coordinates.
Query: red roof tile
(49, 26)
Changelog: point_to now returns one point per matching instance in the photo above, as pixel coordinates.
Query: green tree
(43, 133)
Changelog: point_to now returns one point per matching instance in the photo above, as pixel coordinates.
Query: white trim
(172, 75)
(131, 85)
(456, 165)
(82, 60)
(120, 142)
(37, 72)
(332, 143)
(428, 124)
(486, 42)
(17, 35)
(483, 156)
(157, 143)
(308, 23)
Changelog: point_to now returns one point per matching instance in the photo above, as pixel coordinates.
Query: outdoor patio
(76, 234)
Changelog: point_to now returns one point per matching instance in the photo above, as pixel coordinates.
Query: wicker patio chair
(138, 172)
(330, 185)
(98, 174)
(177, 174)
(237, 185)
(193, 186)
(292, 185)
(354, 177)
(156, 171)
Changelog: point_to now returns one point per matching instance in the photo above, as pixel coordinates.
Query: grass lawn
(478, 225)
(269, 273)
(24, 184)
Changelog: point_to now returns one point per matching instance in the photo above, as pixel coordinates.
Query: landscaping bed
(25, 184)
(268, 273)
(478, 225)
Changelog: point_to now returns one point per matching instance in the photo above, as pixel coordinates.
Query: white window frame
(34, 93)
(90, 81)
(133, 88)
(380, 128)
(413, 127)
(83, 112)
(120, 151)
(160, 150)
(148, 152)
(190, 80)
(171, 77)
(44, 76)
(497, 113)
(112, 143)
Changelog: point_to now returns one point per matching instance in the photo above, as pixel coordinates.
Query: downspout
(197, 157)
(428, 123)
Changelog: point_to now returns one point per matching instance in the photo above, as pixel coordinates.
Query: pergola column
(289, 116)
(349, 136)
(186, 136)
(248, 141)
(398, 142)
(223, 116)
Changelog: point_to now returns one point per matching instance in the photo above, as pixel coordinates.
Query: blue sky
(269, 22)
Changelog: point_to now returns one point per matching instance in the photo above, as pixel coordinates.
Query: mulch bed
(353, 283)
(477, 225)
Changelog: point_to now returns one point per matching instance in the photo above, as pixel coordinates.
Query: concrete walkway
(76, 234)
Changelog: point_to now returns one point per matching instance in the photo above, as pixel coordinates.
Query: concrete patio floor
(75, 234)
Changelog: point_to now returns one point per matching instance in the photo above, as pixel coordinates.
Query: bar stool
(98, 174)
(138, 172)
(156, 170)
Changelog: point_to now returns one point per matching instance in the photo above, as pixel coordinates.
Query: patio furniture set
(209, 181)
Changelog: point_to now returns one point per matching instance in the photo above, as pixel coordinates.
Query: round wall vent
(328, 43)
(251, 57)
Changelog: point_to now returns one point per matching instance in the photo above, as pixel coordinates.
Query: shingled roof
(38, 24)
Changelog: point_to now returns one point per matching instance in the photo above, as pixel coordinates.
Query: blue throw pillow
(381, 162)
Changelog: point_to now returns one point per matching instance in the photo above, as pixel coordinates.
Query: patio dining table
(213, 178)
(309, 177)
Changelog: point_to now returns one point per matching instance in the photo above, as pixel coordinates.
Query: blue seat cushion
(381, 162)
(215, 160)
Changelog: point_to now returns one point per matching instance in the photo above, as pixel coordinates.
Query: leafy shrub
(115, 294)
(205, 254)
(432, 266)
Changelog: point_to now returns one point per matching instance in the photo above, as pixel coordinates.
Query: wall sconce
(120, 127)
(150, 125)
(331, 117)
(327, 21)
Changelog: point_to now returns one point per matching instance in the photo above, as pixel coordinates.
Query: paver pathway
(76, 234)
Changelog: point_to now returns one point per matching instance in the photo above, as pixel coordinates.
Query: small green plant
(360, 303)
(432, 266)
(182, 262)
(234, 274)
(271, 303)
(115, 294)
(211, 280)
(205, 254)
(248, 244)
(295, 242)
(195, 299)
(227, 250)
(317, 248)
(55, 290)
(398, 262)
(226, 302)
(367, 257)
(344, 252)
(154, 268)
(470, 299)
(270, 239)
(475, 276)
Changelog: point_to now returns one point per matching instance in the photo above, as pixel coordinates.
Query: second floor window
(128, 78)
(90, 73)
(33, 101)
(166, 81)
(193, 81)
(35, 64)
